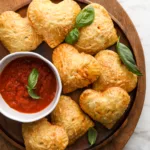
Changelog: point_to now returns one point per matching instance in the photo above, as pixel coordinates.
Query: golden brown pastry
(69, 115)
(16, 33)
(99, 35)
(106, 107)
(53, 21)
(77, 70)
(41, 135)
(113, 72)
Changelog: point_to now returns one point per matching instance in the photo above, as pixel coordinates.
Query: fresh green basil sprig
(73, 36)
(127, 58)
(32, 81)
(92, 135)
(84, 18)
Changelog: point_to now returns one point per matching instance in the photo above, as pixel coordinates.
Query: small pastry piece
(107, 107)
(53, 21)
(69, 115)
(41, 135)
(99, 35)
(16, 33)
(113, 72)
(77, 70)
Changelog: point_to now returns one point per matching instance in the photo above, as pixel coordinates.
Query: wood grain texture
(4, 145)
(120, 137)
(6, 5)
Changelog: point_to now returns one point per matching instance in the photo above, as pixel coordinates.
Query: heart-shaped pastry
(107, 107)
(77, 70)
(113, 73)
(99, 35)
(69, 115)
(16, 33)
(53, 21)
(41, 135)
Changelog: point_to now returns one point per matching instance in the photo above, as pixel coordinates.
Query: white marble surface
(139, 12)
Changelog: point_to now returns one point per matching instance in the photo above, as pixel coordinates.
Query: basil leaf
(32, 81)
(33, 78)
(127, 58)
(73, 36)
(92, 135)
(32, 94)
(85, 17)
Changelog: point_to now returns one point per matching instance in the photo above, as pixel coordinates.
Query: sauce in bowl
(14, 81)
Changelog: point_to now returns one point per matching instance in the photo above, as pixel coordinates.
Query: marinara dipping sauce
(14, 81)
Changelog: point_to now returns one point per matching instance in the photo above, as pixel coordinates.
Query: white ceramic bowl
(11, 113)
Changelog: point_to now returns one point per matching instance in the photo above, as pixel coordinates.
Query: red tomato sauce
(14, 81)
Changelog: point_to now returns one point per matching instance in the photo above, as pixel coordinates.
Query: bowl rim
(57, 95)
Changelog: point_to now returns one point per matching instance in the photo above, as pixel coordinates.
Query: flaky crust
(106, 107)
(77, 70)
(41, 135)
(53, 21)
(16, 33)
(99, 35)
(69, 115)
(113, 72)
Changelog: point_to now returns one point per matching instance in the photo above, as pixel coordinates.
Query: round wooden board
(116, 138)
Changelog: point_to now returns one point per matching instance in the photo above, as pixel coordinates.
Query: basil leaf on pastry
(113, 72)
(99, 35)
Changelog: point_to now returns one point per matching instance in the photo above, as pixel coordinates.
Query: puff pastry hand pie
(107, 107)
(41, 135)
(77, 70)
(99, 35)
(113, 73)
(69, 115)
(53, 21)
(16, 33)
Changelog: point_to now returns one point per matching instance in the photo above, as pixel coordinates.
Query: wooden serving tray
(116, 138)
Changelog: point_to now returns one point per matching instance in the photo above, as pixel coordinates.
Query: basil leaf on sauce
(72, 37)
(32, 94)
(33, 78)
(127, 58)
(85, 17)
(32, 81)
(92, 135)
